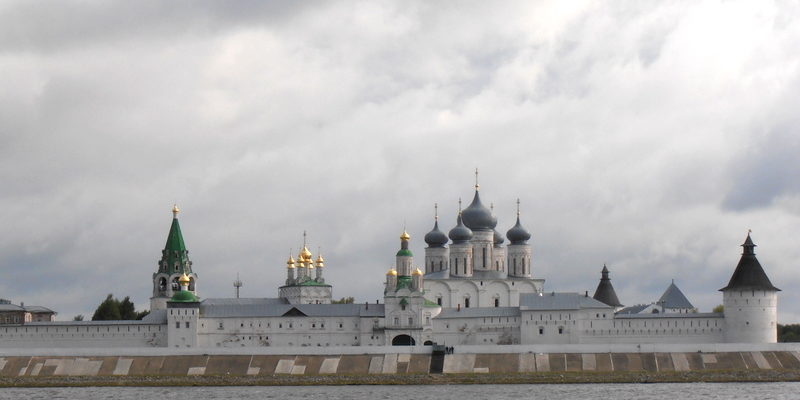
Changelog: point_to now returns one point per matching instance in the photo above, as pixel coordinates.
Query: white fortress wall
(84, 334)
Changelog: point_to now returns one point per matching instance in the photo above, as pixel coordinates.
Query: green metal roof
(430, 304)
(313, 283)
(184, 296)
(175, 238)
(404, 252)
(175, 252)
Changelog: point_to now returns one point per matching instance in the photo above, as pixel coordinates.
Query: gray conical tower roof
(748, 274)
(605, 291)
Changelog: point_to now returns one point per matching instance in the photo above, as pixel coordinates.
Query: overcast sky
(649, 136)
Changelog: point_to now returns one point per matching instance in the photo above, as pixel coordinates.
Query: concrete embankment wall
(254, 365)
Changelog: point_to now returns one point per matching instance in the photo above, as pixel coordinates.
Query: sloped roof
(38, 309)
(749, 275)
(478, 312)
(668, 315)
(229, 308)
(674, 298)
(557, 301)
(633, 309)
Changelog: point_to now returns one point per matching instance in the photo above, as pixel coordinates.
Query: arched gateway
(403, 340)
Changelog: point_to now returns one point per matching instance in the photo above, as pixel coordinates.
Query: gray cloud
(632, 133)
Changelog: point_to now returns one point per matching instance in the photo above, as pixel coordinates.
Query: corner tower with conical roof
(750, 301)
(605, 292)
(174, 263)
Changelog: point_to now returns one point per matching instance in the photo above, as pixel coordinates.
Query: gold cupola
(320, 261)
(290, 262)
(405, 235)
(184, 280)
(391, 272)
(417, 271)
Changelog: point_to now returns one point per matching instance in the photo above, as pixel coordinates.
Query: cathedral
(470, 290)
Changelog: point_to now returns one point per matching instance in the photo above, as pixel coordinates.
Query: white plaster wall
(751, 316)
(83, 335)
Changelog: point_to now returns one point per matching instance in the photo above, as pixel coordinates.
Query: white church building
(470, 290)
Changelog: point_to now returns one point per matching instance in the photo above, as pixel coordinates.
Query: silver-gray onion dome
(477, 216)
(436, 238)
(460, 233)
(518, 234)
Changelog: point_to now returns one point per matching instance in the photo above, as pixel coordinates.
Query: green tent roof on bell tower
(175, 257)
(175, 237)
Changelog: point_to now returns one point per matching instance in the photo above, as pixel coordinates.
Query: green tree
(108, 310)
(126, 309)
(789, 333)
(142, 314)
(113, 309)
(718, 308)
(344, 300)
(78, 317)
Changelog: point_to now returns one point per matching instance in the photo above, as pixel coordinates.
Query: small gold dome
(405, 235)
(184, 279)
(391, 272)
(320, 261)
(290, 263)
(305, 254)
(417, 271)
(175, 210)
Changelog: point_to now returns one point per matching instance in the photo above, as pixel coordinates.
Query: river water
(672, 391)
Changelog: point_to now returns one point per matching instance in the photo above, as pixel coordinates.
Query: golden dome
(184, 279)
(405, 235)
(175, 210)
(320, 261)
(290, 262)
(391, 272)
(417, 271)
(305, 254)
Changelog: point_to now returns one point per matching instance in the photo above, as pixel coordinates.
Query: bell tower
(173, 265)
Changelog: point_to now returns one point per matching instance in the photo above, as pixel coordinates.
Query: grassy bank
(409, 379)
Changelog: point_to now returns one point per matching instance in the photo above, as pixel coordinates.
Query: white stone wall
(482, 248)
(519, 260)
(482, 293)
(476, 331)
(307, 294)
(461, 260)
(182, 327)
(83, 335)
(290, 332)
(436, 259)
(751, 316)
